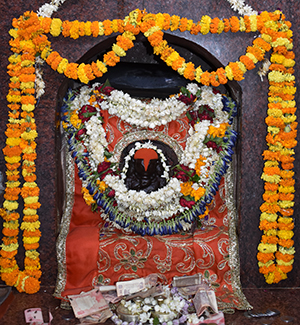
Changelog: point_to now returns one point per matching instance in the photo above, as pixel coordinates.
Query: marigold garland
(29, 40)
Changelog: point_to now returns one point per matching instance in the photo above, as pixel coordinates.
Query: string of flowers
(20, 151)
(152, 26)
(29, 40)
(276, 219)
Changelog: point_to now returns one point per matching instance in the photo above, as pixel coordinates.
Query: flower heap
(193, 182)
(276, 251)
(20, 152)
(170, 308)
(29, 41)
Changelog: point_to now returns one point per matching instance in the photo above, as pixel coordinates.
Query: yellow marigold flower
(33, 268)
(13, 224)
(269, 263)
(27, 63)
(13, 33)
(271, 178)
(55, 28)
(30, 184)
(172, 57)
(280, 262)
(31, 240)
(87, 28)
(151, 30)
(32, 254)
(286, 204)
(252, 57)
(81, 74)
(62, 66)
(267, 248)
(101, 29)
(8, 270)
(288, 63)
(186, 188)
(182, 68)
(102, 186)
(289, 33)
(286, 189)
(28, 107)
(205, 24)
(289, 119)
(271, 163)
(229, 73)
(118, 50)
(288, 103)
(12, 160)
(30, 226)
(275, 112)
(31, 199)
(271, 232)
(75, 120)
(13, 99)
(284, 250)
(285, 234)
(271, 217)
(242, 24)
(242, 66)
(218, 131)
(285, 220)
(45, 53)
(198, 73)
(197, 194)
(253, 23)
(12, 142)
(10, 205)
(273, 129)
(87, 197)
(12, 184)
(29, 212)
(30, 135)
(10, 247)
(101, 66)
(277, 58)
(280, 41)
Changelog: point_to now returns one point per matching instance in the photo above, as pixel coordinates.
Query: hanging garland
(29, 40)
(187, 191)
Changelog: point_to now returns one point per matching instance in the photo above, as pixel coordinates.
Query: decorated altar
(193, 196)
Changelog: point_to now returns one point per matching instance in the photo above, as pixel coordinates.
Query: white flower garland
(95, 141)
(143, 114)
(157, 205)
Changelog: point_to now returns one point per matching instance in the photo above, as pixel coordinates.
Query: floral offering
(189, 185)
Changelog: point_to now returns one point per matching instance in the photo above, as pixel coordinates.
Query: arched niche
(141, 73)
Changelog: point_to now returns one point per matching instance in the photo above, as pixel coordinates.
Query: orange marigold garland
(277, 224)
(20, 150)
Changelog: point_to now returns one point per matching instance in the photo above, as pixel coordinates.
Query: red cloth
(95, 252)
(98, 253)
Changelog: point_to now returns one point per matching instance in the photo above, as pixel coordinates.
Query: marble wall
(225, 47)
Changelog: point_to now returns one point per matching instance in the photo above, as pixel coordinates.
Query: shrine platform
(285, 300)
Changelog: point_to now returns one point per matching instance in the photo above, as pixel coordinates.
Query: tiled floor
(287, 301)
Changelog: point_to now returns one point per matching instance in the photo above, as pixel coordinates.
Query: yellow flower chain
(276, 251)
